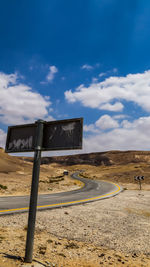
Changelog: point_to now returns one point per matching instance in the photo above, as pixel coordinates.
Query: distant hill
(100, 158)
(12, 163)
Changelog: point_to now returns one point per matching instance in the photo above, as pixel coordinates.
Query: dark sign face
(57, 135)
(20, 138)
(65, 134)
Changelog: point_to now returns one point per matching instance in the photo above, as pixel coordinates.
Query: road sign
(139, 179)
(20, 138)
(57, 135)
(38, 137)
(64, 134)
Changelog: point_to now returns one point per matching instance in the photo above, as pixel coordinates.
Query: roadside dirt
(110, 232)
(16, 176)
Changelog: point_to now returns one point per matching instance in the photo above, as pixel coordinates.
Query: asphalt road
(91, 191)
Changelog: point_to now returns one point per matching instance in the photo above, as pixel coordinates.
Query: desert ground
(109, 232)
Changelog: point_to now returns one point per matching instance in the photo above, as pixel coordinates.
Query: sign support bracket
(34, 192)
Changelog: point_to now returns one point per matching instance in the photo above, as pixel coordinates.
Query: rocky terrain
(111, 232)
(101, 158)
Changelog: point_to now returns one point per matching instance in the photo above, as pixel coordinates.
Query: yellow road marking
(67, 203)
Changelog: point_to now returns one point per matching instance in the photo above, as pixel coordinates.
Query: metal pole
(34, 192)
(140, 184)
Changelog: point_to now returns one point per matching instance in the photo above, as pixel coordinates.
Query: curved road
(91, 191)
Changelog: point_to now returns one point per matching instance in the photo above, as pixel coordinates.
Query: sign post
(42, 136)
(34, 191)
(139, 179)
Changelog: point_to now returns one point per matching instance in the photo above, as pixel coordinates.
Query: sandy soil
(110, 232)
(51, 180)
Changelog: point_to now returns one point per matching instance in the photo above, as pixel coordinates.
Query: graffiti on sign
(21, 138)
(63, 135)
(68, 129)
(21, 144)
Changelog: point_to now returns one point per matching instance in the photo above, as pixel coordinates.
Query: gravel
(120, 223)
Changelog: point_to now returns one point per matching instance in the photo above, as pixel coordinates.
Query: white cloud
(106, 122)
(91, 128)
(115, 70)
(94, 80)
(87, 67)
(19, 103)
(112, 107)
(133, 87)
(129, 136)
(52, 71)
(49, 118)
(120, 116)
(109, 72)
(102, 74)
(2, 138)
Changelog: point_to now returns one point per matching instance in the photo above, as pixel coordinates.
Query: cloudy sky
(84, 58)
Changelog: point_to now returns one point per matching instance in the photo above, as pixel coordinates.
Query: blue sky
(69, 59)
